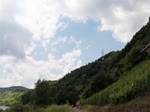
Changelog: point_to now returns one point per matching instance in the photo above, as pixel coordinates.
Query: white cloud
(14, 38)
(26, 23)
(27, 72)
(60, 43)
(40, 17)
(18, 21)
(123, 18)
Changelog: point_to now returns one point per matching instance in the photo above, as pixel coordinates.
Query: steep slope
(129, 66)
(139, 104)
(96, 76)
(126, 88)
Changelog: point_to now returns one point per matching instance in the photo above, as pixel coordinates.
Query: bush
(21, 108)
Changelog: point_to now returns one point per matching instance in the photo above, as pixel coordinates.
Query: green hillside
(125, 69)
(13, 88)
(11, 95)
(138, 104)
(128, 87)
(132, 68)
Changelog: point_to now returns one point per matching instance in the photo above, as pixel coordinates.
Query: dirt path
(77, 110)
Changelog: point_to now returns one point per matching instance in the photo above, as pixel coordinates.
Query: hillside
(11, 95)
(13, 88)
(139, 104)
(135, 76)
(105, 74)
(126, 88)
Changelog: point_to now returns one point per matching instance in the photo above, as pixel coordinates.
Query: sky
(46, 39)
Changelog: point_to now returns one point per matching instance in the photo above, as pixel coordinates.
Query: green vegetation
(41, 95)
(139, 104)
(95, 77)
(60, 108)
(135, 82)
(10, 97)
(115, 78)
(30, 108)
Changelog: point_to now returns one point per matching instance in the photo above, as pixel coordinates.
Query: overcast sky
(48, 38)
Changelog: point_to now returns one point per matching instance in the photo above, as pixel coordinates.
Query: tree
(42, 93)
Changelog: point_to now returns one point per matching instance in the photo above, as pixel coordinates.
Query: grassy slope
(10, 97)
(29, 108)
(135, 82)
(139, 104)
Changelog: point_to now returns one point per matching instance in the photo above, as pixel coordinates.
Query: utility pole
(102, 55)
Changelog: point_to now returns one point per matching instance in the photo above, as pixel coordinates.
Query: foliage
(10, 97)
(139, 104)
(30, 108)
(41, 95)
(28, 97)
(135, 82)
(60, 108)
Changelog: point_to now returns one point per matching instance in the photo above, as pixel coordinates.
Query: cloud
(14, 38)
(27, 72)
(40, 17)
(25, 27)
(123, 18)
(28, 31)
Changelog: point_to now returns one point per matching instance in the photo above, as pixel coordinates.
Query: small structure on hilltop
(102, 56)
(147, 49)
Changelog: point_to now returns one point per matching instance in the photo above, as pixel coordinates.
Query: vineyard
(129, 86)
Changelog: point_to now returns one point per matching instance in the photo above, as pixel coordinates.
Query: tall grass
(30, 108)
(60, 108)
(135, 82)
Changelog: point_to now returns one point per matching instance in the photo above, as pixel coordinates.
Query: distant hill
(13, 88)
(11, 95)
